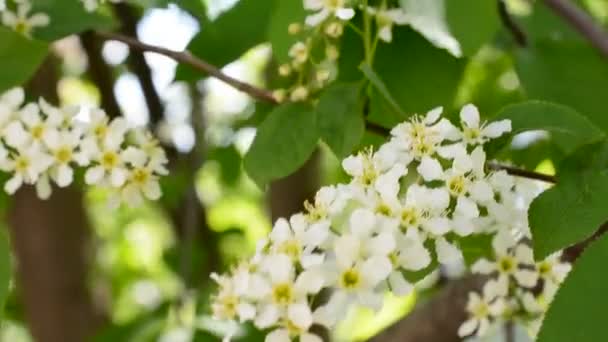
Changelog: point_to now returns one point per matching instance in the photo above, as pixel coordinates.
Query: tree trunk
(50, 242)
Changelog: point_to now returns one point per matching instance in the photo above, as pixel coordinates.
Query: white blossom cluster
(407, 209)
(314, 55)
(20, 19)
(519, 289)
(41, 144)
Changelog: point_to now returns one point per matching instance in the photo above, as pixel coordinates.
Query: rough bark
(436, 320)
(49, 240)
(287, 195)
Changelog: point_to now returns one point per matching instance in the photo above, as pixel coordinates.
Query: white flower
(62, 146)
(26, 164)
(552, 269)
(386, 18)
(109, 166)
(474, 133)
(299, 319)
(298, 240)
(327, 8)
(424, 135)
(509, 259)
(10, 102)
(141, 178)
(299, 52)
(482, 309)
(21, 22)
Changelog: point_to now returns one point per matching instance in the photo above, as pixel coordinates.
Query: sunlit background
(137, 262)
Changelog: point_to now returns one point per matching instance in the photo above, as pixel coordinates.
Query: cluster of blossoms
(314, 55)
(408, 207)
(41, 143)
(520, 289)
(20, 19)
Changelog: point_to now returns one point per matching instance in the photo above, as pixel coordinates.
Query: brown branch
(507, 20)
(100, 73)
(198, 64)
(513, 171)
(582, 22)
(137, 63)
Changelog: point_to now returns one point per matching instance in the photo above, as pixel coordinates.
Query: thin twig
(198, 64)
(508, 21)
(513, 171)
(582, 22)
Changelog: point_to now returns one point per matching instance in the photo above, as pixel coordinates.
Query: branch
(516, 31)
(513, 171)
(582, 22)
(137, 63)
(198, 64)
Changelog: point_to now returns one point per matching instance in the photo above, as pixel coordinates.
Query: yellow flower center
(100, 131)
(350, 279)
(22, 164)
(456, 185)
(63, 155)
(291, 248)
(141, 176)
(481, 311)
(409, 217)
(38, 132)
(109, 159)
(544, 268)
(282, 293)
(506, 264)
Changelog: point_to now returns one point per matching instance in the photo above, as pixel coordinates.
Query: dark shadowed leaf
(19, 57)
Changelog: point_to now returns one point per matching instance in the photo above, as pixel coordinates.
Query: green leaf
(285, 13)
(579, 309)
(340, 118)
(19, 57)
(283, 143)
(229, 36)
(569, 129)
(574, 209)
(67, 17)
(375, 80)
(472, 22)
(6, 269)
(418, 75)
(569, 73)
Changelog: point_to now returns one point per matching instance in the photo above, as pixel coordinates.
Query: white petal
(279, 267)
(433, 115)
(524, 254)
(118, 176)
(345, 13)
(481, 191)
(437, 225)
(362, 222)
(39, 19)
(94, 175)
(267, 317)
(376, 269)
(466, 207)
(43, 187)
(399, 285)
(310, 282)
(370, 299)
(483, 266)
(13, 184)
(470, 116)
(347, 250)
(468, 327)
(14, 97)
(447, 253)
(527, 278)
(15, 135)
(317, 18)
(386, 33)
(353, 165)
(381, 244)
(313, 4)
(281, 231)
(65, 175)
(430, 169)
(279, 335)
(301, 315)
(245, 311)
(152, 190)
(496, 129)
